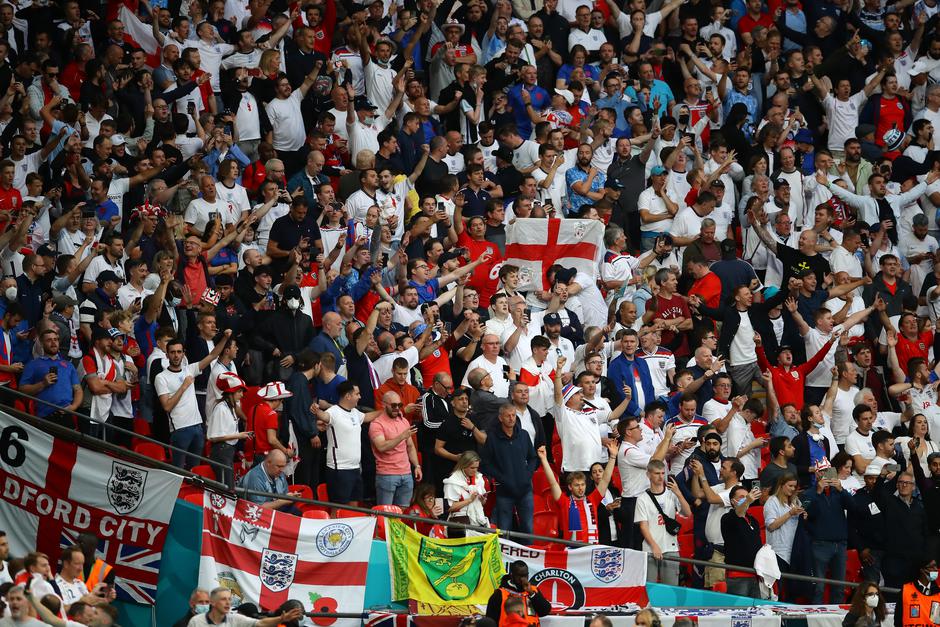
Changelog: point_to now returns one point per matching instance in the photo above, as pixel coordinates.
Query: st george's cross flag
(598, 578)
(52, 490)
(535, 244)
(266, 557)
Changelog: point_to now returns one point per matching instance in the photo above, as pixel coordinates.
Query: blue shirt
(659, 89)
(540, 100)
(733, 97)
(620, 106)
(107, 210)
(426, 292)
(576, 200)
(257, 479)
(60, 394)
(145, 334)
(327, 391)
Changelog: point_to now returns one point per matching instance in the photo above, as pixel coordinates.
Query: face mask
(871, 600)
(10, 293)
(683, 120)
(175, 302)
(370, 120)
(713, 455)
(201, 608)
(740, 501)
(932, 575)
(293, 304)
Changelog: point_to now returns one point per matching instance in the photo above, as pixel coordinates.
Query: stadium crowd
(275, 234)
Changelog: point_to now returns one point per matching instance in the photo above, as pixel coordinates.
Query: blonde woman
(918, 440)
(465, 492)
(782, 513)
(270, 66)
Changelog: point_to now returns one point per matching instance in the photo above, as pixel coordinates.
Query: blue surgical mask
(740, 501)
(201, 608)
(932, 575)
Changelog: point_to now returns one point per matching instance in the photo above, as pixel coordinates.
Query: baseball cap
(210, 296)
(291, 291)
(657, 170)
(778, 183)
(362, 103)
(566, 94)
(118, 140)
(109, 275)
(503, 153)
(551, 318)
(62, 301)
(803, 136)
(863, 130)
(45, 251)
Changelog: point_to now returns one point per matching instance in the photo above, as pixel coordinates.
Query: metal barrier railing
(206, 483)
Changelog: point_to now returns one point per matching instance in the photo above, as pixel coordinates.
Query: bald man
(268, 476)
(328, 341)
(396, 457)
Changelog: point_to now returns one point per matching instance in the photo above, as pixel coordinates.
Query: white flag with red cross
(267, 557)
(535, 244)
(53, 490)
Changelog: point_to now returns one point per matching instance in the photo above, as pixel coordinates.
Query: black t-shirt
(770, 474)
(742, 539)
(287, 234)
(429, 183)
(794, 262)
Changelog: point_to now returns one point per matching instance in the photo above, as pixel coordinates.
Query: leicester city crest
(125, 487)
(277, 570)
(334, 538)
(607, 564)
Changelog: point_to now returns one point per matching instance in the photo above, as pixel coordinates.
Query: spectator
(222, 427)
(509, 458)
(268, 477)
(740, 533)
(782, 512)
(655, 508)
(54, 381)
(829, 529)
(515, 584)
(174, 387)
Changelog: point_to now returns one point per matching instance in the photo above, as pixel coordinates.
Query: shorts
(344, 486)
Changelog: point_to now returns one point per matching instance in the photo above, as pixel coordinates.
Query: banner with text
(54, 490)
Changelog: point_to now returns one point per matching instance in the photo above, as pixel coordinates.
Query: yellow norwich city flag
(456, 571)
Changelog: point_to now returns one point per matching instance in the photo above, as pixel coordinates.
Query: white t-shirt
(858, 444)
(345, 450)
(213, 395)
(383, 365)
(362, 137)
(580, 440)
(843, 118)
(199, 211)
(287, 122)
(842, 407)
(654, 204)
(222, 421)
(236, 195)
(500, 382)
(659, 362)
(631, 463)
(186, 412)
(821, 376)
(646, 512)
(715, 512)
(98, 265)
(210, 58)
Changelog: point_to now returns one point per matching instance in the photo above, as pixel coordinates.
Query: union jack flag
(136, 569)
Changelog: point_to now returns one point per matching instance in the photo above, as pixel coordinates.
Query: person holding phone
(741, 535)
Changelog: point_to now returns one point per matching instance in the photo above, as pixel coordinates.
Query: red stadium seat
(853, 566)
(151, 450)
(319, 514)
(305, 490)
(348, 513)
(539, 481)
(545, 524)
(204, 470)
(380, 520)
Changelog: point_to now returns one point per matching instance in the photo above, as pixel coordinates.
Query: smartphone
(447, 327)
(506, 370)
(384, 260)
(191, 108)
(527, 312)
(229, 129)
(708, 89)
(440, 207)
(54, 370)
